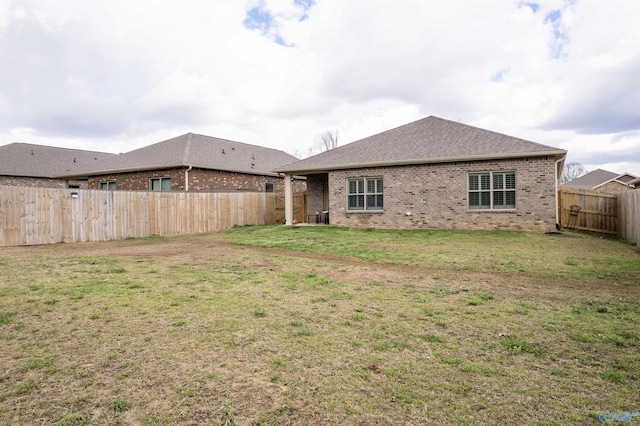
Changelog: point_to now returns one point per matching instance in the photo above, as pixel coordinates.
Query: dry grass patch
(199, 330)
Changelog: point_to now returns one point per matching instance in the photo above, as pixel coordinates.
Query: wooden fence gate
(299, 207)
(588, 210)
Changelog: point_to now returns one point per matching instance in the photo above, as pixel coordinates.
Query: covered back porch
(317, 202)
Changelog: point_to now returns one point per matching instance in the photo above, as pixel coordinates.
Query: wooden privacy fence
(629, 215)
(52, 215)
(588, 210)
(299, 204)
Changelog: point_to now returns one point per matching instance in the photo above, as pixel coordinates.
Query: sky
(116, 75)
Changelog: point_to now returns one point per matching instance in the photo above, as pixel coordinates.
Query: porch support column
(288, 199)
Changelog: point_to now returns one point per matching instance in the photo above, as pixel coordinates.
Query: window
(364, 194)
(111, 185)
(160, 184)
(492, 190)
(269, 187)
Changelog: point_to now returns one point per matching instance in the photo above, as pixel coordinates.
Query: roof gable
(429, 140)
(597, 178)
(197, 151)
(29, 160)
(626, 178)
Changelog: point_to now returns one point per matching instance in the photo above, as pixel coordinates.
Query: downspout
(186, 178)
(558, 224)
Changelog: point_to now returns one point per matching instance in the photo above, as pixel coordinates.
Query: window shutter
(485, 182)
(498, 181)
(474, 182)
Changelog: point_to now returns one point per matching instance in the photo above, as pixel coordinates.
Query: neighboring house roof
(626, 178)
(599, 177)
(429, 140)
(197, 151)
(635, 182)
(29, 160)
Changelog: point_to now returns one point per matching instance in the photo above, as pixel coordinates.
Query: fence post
(55, 215)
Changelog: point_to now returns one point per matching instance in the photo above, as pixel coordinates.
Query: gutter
(423, 161)
(160, 167)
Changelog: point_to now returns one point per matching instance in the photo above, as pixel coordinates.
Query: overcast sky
(115, 75)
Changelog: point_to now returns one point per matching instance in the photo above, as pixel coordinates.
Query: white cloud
(114, 75)
(599, 91)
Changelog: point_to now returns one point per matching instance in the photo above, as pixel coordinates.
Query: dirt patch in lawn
(198, 330)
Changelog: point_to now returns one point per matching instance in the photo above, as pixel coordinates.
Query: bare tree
(329, 140)
(571, 171)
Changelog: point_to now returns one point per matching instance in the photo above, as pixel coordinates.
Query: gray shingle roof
(598, 177)
(198, 151)
(429, 140)
(29, 160)
(626, 178)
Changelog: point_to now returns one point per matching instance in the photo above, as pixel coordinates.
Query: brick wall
(435, 196)
(316, 186)
(613, 188)
(199, 180)
(139, 181)
(40, 182)
(204, 180)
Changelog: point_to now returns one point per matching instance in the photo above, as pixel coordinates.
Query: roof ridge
(55, 147)
(196, 150)
(187, 148)
(428, 140)
(251, 145)
(626, 173)
(495, 132)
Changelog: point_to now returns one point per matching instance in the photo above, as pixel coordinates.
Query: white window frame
(492, 187)
(107, 185)
(161, 181)
(369, 191)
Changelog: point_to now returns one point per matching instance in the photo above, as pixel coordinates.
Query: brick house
(24, 164)
(434, 173)
(192, 162)
(603, 181)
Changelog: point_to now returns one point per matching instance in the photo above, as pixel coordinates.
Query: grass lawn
(321, 325)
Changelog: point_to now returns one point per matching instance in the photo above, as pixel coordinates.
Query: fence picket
(629, 215)
(33, 215)
(597, 211)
